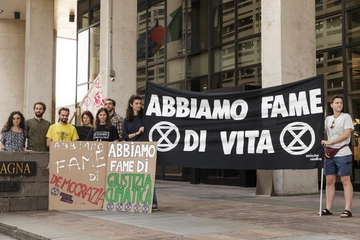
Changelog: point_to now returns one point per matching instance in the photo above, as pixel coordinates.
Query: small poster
(130, 177)
(77, 172)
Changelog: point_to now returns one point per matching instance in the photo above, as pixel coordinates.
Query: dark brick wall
(33, 194)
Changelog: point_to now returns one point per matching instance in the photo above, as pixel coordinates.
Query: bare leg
(348, 191)
(330, 191)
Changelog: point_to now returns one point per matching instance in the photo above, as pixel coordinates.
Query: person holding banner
(133, 128)
(338, 129)
(62, 130)
(115, 118)
(103, 129)
(13, 134)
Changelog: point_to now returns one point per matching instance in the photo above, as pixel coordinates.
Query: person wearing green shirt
(37, 128)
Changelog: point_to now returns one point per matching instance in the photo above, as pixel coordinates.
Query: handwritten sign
(130, 177)
(77, 172)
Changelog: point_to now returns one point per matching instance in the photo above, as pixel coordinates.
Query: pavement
(197, 212)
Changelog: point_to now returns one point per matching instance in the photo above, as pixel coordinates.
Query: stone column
(288, 54)
(12, 53)
(118, 32)
(39, 57)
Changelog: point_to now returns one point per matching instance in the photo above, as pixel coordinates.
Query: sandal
(324, 212)
(346, 214)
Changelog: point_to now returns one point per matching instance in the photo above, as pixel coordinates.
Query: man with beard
(62, 130)
(37, 128)
(115, 118)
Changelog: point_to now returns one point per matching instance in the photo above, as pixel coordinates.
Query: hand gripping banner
(272, 128)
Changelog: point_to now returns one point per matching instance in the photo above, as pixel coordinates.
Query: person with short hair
(338, 129)
(87, 123)
(115, 118)
(62, 130)
(103, 129)
(37, 128)
(13, 134)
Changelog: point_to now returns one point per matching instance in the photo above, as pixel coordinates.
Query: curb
(17, 233)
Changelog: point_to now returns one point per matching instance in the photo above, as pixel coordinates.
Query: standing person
(62, 130)
(338, 128)
(115, 118)
(37, 128)
(133, 128)
(13, 134)
(87, 123)
(103, 129)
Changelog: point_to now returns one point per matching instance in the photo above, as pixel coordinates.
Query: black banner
(272, 128)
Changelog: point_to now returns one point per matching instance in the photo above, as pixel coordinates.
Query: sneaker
(154, 207)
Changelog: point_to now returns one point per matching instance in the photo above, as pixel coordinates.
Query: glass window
(198, 25)
(223, 58)
(156, 31)
(81, 92)
(327, 6)
(175, 30)
(94, 53)
(83, 57)
(141, 80)
(223, 24)
(351, 3)
(179, 86)
(353, 68)
(155, 74)
(328, 32)
(198, 65)
(175, 70)
(248, 19)
(222, 80)
(197, 85)
(141, 39)
(83, 20)
(95, 15)
(353, 26)
(329, 64)
(249, 52)
(250, 78)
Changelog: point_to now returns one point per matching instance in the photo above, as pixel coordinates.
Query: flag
(174, 25)
(154, 41)
(94, 98)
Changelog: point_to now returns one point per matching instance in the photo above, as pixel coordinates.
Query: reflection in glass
(354, 107)
(199, 25)
(197, 85)
(353, 67)
(248, 19)
(179, 86)
(329, 64)
(141, 80)
(95, 15)
(250, 78)
(175, 70)
(198, 65)
(222, 80)
(223, 24)
(326, 6)
(94, 52)
(352, 3)
(224, 58)
(156, 32)
(81, 92)
(175, 29)
(141, 38)
(328, 32)
(249, 52)
(83, 57)
(155, 74)
(353, 26)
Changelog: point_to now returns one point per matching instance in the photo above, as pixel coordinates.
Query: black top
(83, 132)
(103, 134)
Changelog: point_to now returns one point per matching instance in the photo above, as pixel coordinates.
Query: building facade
(194, 45)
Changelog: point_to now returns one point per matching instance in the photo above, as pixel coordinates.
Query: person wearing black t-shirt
(103, 129)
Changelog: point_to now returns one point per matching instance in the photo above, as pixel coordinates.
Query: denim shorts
(341, 166)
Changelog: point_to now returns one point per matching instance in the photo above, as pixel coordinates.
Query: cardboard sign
(77, 175)
(130, 177)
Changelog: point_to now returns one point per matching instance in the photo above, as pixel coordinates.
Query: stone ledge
(16, 233)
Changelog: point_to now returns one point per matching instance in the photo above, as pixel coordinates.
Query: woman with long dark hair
(103, 129)
(133, 128)
(13, 134)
